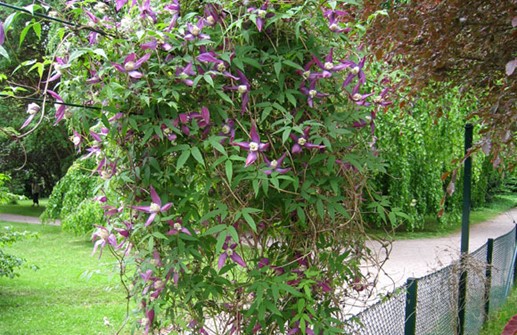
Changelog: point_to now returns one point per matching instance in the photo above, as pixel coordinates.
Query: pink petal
(26, 123)
(222, 260)
(238, 259)
(150, 219)
(154, 196)
(252, 157)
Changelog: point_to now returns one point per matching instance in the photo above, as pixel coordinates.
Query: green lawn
(71, 293)
(24, 207)
(498, 319)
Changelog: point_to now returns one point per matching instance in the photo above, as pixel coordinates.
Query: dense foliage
(234, 141)
(421, 148)
(72, 201)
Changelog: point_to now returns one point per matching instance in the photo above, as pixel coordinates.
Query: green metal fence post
(515, 265)
(411, 298)
(467, 180)
(488, 274)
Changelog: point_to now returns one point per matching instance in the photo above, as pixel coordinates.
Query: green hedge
(71, 199)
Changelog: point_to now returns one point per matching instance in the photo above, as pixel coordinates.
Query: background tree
(469, 44)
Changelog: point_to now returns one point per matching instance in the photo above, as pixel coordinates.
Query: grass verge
(498, 319)
(71, 293)
(24, 207)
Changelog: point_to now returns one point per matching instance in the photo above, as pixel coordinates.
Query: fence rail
(429, 305)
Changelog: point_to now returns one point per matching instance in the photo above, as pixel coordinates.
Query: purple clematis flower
(358, 98)
(275, 165)
(32, 110)
(194, 31)
(297, 330)
(154, 44)
(220, 65)
(243, 89)
(311, 92)
(154, 208)
(174, 8)
(59, 105)
(213, 14)
(356, 70)
(329, 67)
(120, 3)
(227, 131)
(177, 227)
(131, 64)
(59, 64)
(303, 142)
(229, 251)
(183, 73)
(103, 237)
(254, 146)
(95, 148)
(77, 140)
(381, 98)
(333, 19)
(147, 11)
(261, 14)
(2, 33)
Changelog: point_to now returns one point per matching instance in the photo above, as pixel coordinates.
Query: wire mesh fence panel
(476, 286)
(385, 317)
(437, 301)
(502, 269)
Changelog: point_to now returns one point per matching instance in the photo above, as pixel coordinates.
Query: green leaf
(101, 53)
(228, 166)
(249, 220)
(182, 159)
(3, 52)
(196, 153)
(24, 33)
(293, 64)
(215, 229)
(36, 27)
(220, 241)
(208, 79)
(224, 96)
(278, 69)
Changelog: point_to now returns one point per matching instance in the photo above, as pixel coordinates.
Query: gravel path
(419, 257)
(24, 219)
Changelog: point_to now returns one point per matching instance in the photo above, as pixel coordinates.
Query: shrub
(9, 263)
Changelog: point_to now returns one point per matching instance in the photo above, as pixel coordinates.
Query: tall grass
(72, 293)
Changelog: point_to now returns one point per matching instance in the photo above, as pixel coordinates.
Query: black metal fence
(429, 305)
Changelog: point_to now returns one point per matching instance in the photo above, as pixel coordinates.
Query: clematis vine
(254, 146)
(261, 15)
(381, 100)
(229, 251)
(275, 165)
(32, 110)
(303, 142)
(131, 64)
(154, 208)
